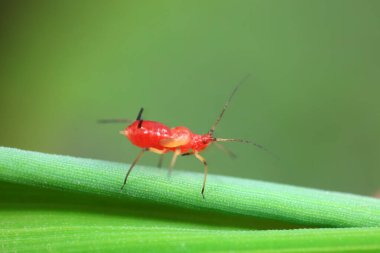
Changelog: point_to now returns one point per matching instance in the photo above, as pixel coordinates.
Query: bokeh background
(313, 95)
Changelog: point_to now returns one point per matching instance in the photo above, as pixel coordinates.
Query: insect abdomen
(148, 135)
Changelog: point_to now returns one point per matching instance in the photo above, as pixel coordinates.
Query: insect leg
(188, 153)
(177, 152)
(161, 152)
(160, 161)
(203, 160)
(133, 165)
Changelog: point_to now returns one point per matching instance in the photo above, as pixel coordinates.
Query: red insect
(158, 138)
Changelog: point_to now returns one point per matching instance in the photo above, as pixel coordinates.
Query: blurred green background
(313, 95)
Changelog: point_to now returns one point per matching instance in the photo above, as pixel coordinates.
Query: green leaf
(59, 203)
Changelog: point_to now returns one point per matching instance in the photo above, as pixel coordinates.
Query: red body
(158, 138)
(162, 139)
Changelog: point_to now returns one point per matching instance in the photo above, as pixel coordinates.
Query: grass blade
(59, 203)
(224, 194)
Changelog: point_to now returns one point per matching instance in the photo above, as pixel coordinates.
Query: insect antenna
(237, 140)
(245, 141)
(212, 129)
